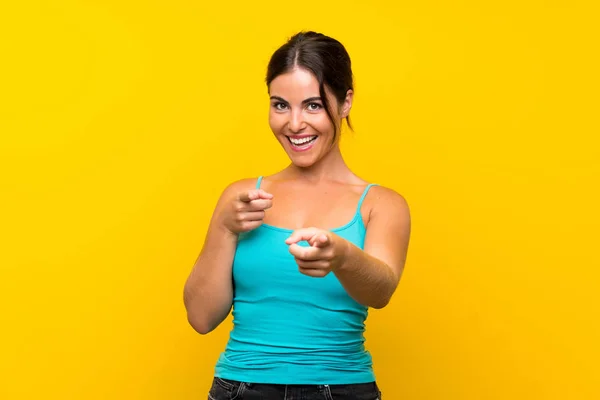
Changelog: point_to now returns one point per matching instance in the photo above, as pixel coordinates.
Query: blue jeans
(225, 389)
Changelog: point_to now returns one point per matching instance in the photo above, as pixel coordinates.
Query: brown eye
(314, 106)
(279, 106)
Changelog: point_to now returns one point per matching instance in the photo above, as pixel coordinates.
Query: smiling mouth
(302, 141)
(302, 144)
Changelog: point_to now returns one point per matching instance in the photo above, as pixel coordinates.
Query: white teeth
(302, 141)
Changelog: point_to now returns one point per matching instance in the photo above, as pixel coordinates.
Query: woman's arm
(208, 291)
(370, 276)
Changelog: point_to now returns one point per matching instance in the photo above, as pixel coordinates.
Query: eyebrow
(309, 100)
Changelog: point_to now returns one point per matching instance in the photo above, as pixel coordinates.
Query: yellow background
(121, 122)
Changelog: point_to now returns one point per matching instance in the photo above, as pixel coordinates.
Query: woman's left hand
(325, 254)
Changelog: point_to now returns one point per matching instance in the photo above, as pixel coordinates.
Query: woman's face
(298, 118)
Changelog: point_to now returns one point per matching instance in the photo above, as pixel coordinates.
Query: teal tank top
(289, 328)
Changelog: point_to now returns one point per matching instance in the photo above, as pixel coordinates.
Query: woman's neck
(332, 167)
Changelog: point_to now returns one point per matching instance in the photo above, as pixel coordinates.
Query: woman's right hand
(246, 211)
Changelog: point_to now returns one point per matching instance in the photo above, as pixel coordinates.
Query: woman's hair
(325, 57)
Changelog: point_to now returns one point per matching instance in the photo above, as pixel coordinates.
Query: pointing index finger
(301, 234)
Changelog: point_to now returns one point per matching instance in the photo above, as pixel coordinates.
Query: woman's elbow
(200, 325)
(379, 304)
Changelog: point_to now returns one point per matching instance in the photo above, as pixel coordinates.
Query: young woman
(302, 254)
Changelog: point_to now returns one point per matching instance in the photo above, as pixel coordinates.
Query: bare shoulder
(234, 189)
(240, 185)
(384, 201)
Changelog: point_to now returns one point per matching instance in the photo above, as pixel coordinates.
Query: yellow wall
(120, 123)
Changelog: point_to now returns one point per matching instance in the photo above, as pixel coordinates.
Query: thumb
(320, 240)
(264, 195)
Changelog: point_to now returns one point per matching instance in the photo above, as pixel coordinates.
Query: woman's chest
(324, 209)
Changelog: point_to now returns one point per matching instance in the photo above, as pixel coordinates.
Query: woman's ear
(347, 105)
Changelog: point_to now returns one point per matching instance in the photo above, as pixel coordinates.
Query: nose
(296, 124)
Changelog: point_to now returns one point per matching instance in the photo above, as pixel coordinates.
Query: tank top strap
(362, 198)
(259, 180)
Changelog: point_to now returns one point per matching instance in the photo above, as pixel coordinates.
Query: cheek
(276, 122)
(322, 123)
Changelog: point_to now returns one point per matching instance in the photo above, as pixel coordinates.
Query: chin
(302, 163)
